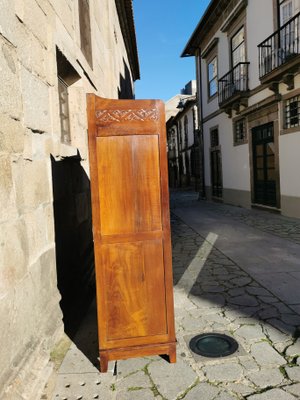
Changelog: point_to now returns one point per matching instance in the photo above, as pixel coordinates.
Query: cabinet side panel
(147, 181)
(135, 291)
(116, 184)
(129, 184)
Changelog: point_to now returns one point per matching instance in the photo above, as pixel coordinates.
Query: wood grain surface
(131, 227)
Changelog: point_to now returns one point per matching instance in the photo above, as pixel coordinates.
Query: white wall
(289, 162)
(223, 67)
(223, 54)
(259, 26)
(235, 159)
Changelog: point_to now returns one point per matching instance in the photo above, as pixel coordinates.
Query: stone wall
(37, 168)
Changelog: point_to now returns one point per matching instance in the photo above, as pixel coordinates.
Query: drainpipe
(278, 14)
(202, 193)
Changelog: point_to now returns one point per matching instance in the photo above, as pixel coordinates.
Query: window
(64, 111)
(186, 132)
(238, 47)
(213, 77)
(180, 134)
(214, 137)
(215, 163)
(240, 132)
(67, 76)
(286, 11)
(288, 34)
(292, 112)
(85, 30)
(195, 130)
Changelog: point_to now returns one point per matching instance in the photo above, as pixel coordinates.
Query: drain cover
(213, 345)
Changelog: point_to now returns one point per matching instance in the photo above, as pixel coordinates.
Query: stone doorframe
(264, 116)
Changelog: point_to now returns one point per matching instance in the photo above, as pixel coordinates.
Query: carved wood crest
(127, 115)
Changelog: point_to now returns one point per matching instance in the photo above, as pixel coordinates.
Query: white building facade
(247, 58)
(183, 139)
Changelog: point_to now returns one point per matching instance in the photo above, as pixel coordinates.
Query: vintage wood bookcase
(131, 228)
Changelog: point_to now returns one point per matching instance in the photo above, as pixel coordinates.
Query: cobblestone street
(236, 271)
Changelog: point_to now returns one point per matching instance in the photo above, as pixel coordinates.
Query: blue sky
(163, 28)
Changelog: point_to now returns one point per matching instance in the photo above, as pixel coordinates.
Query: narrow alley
(236, 271)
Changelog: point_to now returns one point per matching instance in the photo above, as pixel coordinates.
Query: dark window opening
(186, 129)
(292, 112)
(195, 130)
(240, 132)
(264, 172)
(214, 138)
(85, 30)
(66, 75)
(64, 111)
(180, 134)
(215, 164)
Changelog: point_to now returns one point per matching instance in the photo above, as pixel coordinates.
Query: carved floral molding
(127, 115)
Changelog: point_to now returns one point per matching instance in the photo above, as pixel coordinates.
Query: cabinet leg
(103, 362)
(172, 354)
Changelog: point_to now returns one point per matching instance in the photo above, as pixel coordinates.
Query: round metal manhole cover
(213, 345)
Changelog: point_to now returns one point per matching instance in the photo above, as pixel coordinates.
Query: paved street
(236, 271)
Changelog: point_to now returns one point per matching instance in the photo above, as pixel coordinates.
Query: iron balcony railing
(234, 82)
(280, 47)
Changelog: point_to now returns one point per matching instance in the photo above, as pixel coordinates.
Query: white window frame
(213, 78)
(283, 5)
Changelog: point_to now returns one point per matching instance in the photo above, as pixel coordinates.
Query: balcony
(233, 87)
(279, 54)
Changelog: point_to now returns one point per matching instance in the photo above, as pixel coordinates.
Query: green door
(264, 165)
(216, 173)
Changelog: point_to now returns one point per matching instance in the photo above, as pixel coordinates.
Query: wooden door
(216, 164)
(131, 227)
(264, 165)
(216, 173)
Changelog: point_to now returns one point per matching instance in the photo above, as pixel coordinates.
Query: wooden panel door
(131, 227)
(264, 165)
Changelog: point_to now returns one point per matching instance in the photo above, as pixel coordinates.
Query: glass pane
(240, 131)
(270, 149)
(238, 38)
(260, 174)
(294, 122)
(213, 87)
(260, 162)
(64, 111)
(271, 174)
(214, 138)
(260, 150)
(293, 108)
(270, 162)
(238, 55)
(292, 112)
(286, 12)
(212, 69)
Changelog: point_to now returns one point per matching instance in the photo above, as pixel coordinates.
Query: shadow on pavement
(221, 282)
(75, 251)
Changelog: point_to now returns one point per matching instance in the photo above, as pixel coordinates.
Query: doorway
(264, 173)
(216, 164)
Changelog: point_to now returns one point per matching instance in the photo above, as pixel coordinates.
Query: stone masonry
(31, 33)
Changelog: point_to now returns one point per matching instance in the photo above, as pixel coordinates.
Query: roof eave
(126, 19)
(194, 42)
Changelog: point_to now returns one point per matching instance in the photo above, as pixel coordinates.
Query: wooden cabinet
(131, 228)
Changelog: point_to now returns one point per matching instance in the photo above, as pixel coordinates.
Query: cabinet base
(168, 349)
